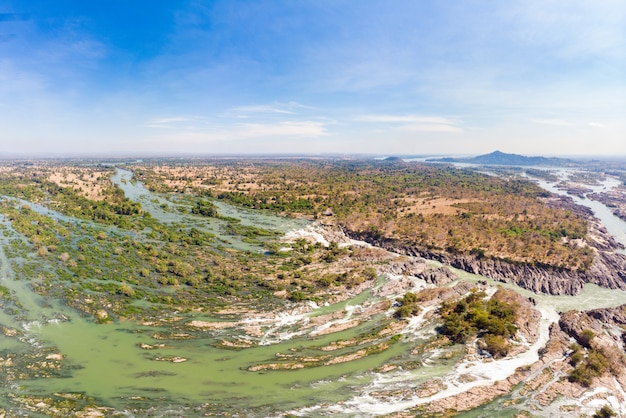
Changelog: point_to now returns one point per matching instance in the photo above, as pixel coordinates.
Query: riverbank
(158, 309)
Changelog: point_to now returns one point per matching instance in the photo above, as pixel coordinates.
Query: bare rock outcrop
(608, 268)
(614, 199)
(405, 266)
(547, 383)
(437, 275)
(418, 267)
(606, 338)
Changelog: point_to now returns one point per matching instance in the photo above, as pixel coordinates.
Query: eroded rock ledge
(608, 268)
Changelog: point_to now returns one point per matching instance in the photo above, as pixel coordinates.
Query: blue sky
(325, 76)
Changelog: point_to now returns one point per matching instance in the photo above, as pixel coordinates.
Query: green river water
(107, 364)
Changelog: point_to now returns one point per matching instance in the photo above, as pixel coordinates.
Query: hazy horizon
(313, 77)
(99, 156)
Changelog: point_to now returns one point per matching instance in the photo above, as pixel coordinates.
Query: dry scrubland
(90, 182)
(437, 209)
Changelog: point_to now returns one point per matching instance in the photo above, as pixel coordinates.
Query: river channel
(109, 365)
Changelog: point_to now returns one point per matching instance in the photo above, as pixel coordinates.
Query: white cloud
(240, 138)
(406, 118)
(571, 27)
(415, 123)
(295, 129)
(430, 127)
(289, 108)
(172, 122)
(553, 122)
(261, 109)
(565, 123)
(231, 135)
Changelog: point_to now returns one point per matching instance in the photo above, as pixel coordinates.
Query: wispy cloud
(419, 76)
(289, 108)
(565, 123)
(406, 119)
(261, 109)
(240, 138)
(172, 122)
(430, 127)
(212, 133)
(552, 122)
(570, 27)
(308, 129)
(415, 123)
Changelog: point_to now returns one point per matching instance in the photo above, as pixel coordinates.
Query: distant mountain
(501, 158)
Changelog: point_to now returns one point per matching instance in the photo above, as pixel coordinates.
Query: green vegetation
(434, 208)
(593, 365)
(605, 412)
(109, 259)
(120, 267)
(205, 208)
(588, 362)
(113, 208)
(474, 316)
(131, 265)
(291, 205)
(252, 233)
(4, 292)
(541, 174)
(408, 306)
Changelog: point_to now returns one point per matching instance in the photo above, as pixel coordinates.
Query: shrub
(594, 365)
(408, 306)
(126, 290)
(585, 338)
(604, 412)
(577, 355)
(297, 296)
(497, 346)
(474, 316)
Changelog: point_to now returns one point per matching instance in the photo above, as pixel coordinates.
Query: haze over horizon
(231, 77)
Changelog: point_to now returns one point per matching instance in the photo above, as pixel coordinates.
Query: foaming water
(108, 362)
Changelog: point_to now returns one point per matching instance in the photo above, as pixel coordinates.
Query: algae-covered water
(164, 366)
(165, 211)
(113, 367)
(160, 366)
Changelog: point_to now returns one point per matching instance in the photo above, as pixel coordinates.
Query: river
(109, 365)
(107, 362)
(613, 224)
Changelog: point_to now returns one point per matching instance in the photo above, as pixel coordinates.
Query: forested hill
(501, 158)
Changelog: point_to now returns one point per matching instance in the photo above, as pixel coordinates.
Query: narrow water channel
(109, 364)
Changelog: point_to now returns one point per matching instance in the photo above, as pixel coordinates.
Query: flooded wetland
(124, 294)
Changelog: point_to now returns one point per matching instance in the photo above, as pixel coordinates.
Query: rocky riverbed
(614, 199)
(538, 374)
